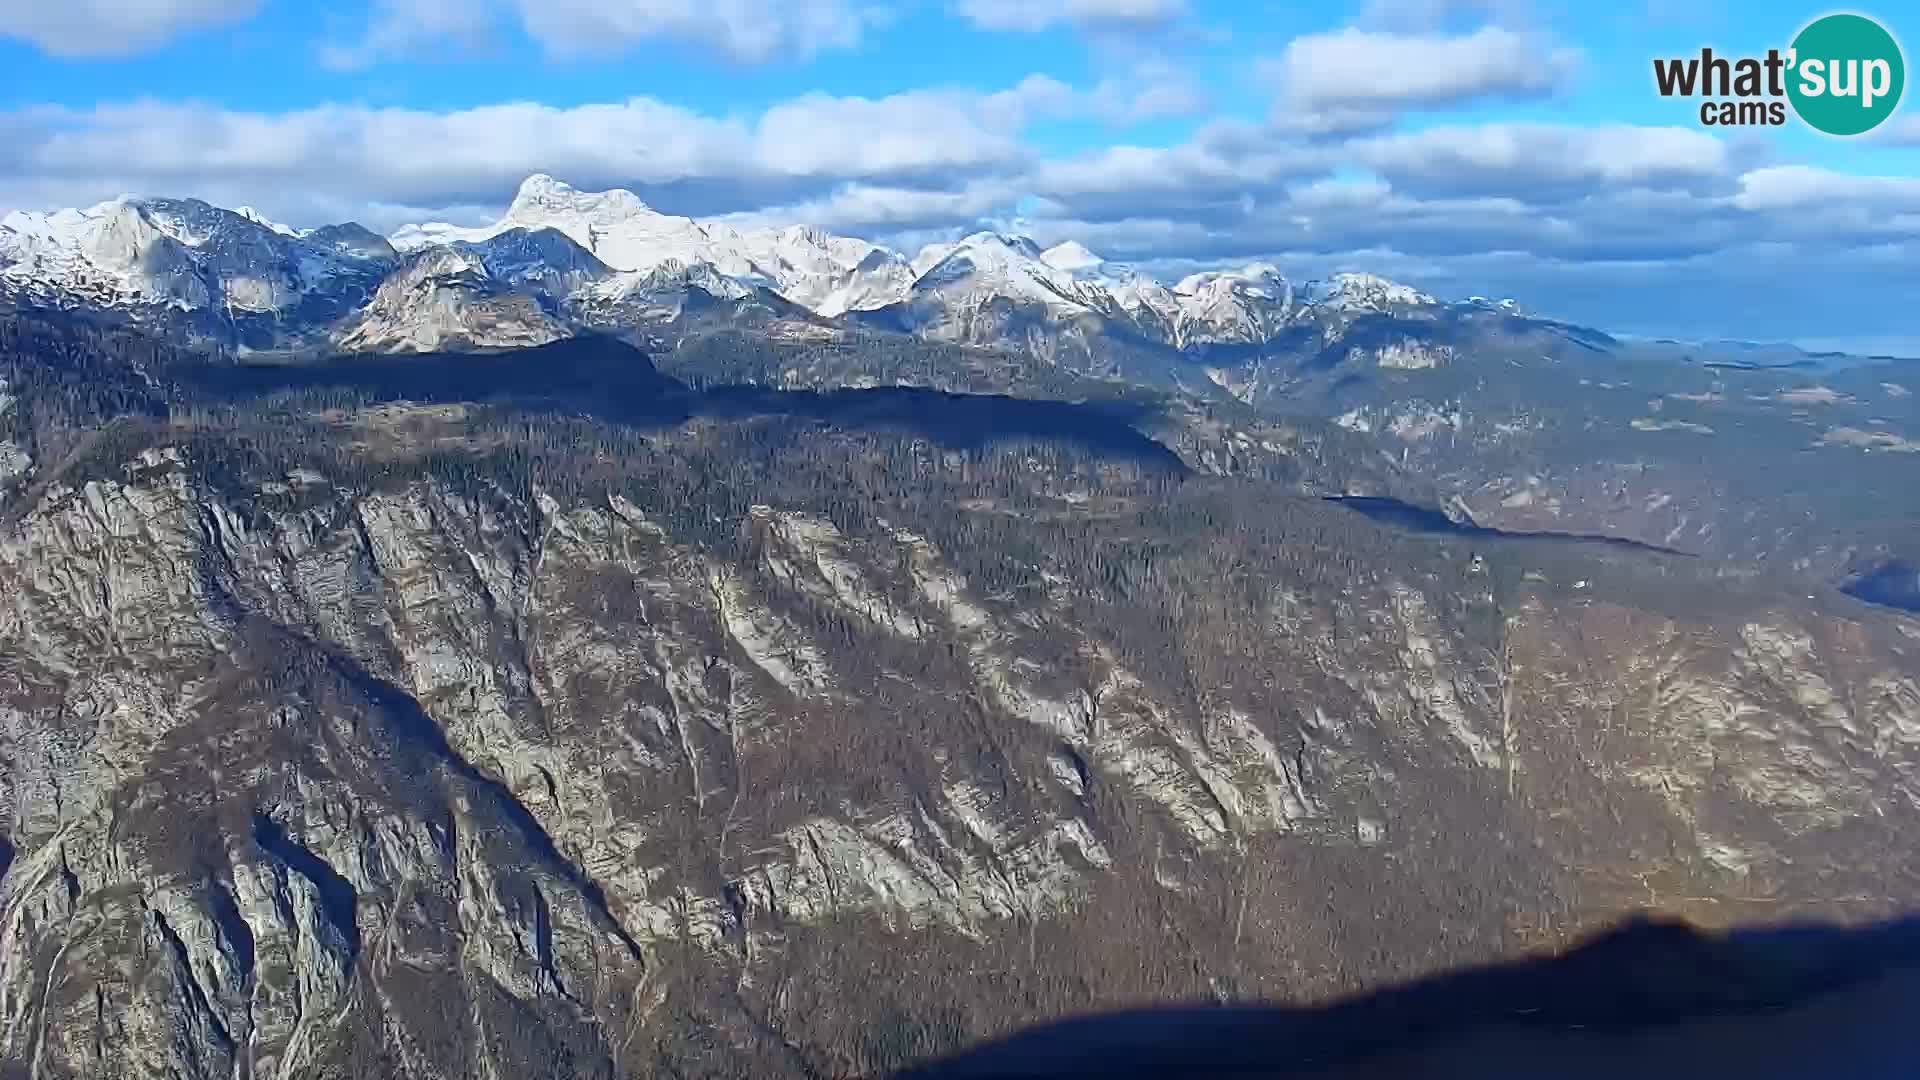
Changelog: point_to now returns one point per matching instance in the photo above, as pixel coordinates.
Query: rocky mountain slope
(446, 298)
(343, 735)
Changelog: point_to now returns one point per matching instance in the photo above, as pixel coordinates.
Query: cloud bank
(97, 28)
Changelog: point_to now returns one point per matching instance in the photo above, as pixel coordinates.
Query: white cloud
(1542, 159)
(114, 27)
(1096, 15)
(1363, 71)
(1433, 14)
(1239, 192)
(1150, 89)
(404, 27)
(1226, 166)
(335, 160)
(880, 209)
(1794, 187)
(1329, 192)
(1904, 131)
(747, 31)
(918, 131)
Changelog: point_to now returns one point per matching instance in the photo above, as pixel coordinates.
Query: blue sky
(1499, 146)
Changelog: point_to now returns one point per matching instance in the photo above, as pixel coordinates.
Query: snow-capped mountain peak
(1247, 305)
(260, 219)
(615, 226)
(180, 253)
(1506, 305)
(1071, 257)
(998, 263)
(802, 244)
(827, 273)
(929, 256)
(561, 257)
(1022, 246)
(1255, 279)
(816, 269)
(543, 198)
(1371, 292)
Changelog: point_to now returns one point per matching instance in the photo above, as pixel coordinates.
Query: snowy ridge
(947, 287)
(182, 253)
(1071, 257)
(608, 255)
(1370, 292)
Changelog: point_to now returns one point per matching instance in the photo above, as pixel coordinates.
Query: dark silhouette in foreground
(1649, 999)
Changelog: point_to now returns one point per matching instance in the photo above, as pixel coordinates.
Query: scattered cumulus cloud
(745, 31)
(1150, 89)
(351, 156)
(893, 212)
(1428, 15)
(1544, 160)
(1359, 72)
(402, 28)
(921, 131)
(99, 28)
(749, 30)
(1088, 15)
(1797, 187)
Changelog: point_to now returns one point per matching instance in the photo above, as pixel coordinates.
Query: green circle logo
(1847, 74)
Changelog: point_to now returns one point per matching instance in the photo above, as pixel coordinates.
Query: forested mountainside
(1802, 471)
(571, 720)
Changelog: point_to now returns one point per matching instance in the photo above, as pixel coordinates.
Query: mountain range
(1499, 414)
(561, 259)
(610, 644)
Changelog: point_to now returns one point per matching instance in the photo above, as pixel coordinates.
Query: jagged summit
(1253, 276)
(1025, 245)
(259, 218)
(1363, 290)
(541, 195)
(186, 255)
(568, 249)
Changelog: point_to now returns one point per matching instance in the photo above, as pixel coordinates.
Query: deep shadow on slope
(611, 380)
(1426, 519)
(1894, 584)
(337, 897)
(1649, 999)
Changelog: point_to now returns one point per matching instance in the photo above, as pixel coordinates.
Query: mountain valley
(607, 643)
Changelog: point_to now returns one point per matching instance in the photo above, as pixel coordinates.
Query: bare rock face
(445, 298)
(348, 771)
(224, 851)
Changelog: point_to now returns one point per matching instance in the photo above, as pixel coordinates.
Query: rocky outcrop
(445, 299)
(311, 774)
